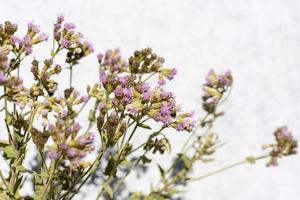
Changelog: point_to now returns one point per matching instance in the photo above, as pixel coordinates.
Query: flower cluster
(68, 144)
(285, 145)
(130, 94)
(112, 61)
(33, 36)
(68, 38)
(126, 100)
(5, 80)
(43, 78)
(214, 88)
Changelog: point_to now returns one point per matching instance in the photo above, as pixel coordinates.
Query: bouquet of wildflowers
(129, 97)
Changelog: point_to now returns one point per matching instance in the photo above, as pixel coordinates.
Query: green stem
(245, 161)
(88, 172)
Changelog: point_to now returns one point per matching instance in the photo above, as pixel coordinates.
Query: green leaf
(3, 143)
(161, 171)
(250, 160)
(20, 168)
(174, 191)
(8, 119)
(10, 151)
(145, 160)
(186, 160)
(108, 189)
(126, 163)
(109, 167)
(145, 126)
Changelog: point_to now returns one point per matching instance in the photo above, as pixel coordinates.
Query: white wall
(258, 40)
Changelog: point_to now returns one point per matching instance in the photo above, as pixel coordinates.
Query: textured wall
(259, 41)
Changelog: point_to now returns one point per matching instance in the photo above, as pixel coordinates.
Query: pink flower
(69, 26)
(103, 77)
(71, 152)
(52, 155)
(33, 28)
(3, 78)
(172, 74)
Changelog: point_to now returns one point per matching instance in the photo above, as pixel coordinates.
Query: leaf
(125, 163)
(10, 151)
(8, 119)
(161, 171)
(145, 126)
(250, 160)
(20, 168)
(109, 167)
(186, 160)
(3, 143)
(145, 160)
(174, 191)
(108, 189)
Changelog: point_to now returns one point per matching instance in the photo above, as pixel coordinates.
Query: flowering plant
(129, 97)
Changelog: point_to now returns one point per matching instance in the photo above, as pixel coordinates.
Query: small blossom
(33, 28)
(285, 145)
(71, 152)
(85, 139)
(53, 155)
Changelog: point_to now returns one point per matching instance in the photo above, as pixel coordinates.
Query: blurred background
(259, 41)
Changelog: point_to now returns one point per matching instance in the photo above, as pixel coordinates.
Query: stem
(93, 167)
(183, 149)
(71, 76)
(232, 166)
(52, 170)
(3, 180)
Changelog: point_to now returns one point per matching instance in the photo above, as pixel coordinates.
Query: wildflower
(52, 155)
(85, 139)
(112, 60)
(33, 28)
(285, 145)
(214, 88)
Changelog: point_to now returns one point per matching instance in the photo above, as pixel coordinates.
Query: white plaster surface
(258, 40)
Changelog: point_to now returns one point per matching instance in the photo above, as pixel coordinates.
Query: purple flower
(60, 18)
(65, 43)
(123, 80)
(33, 28)
(226, 79)
(63, 146)
(15, 40)
(69, 26)
(161, 82)
(82, 154)
(3, 78)
(102, 107)
(103, 77)
(172, 74)
(76, 127)
(28, 50)
(85, 98)
(52, 155)
(51, 127)
(42, 37)
(118, 91)
(147, 95)
(128, 92)
(187, 124)
(100, 57)
(85, 139)
(71, 152)
(27, 41)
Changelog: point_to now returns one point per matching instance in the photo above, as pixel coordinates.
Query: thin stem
(245, 161)
(71, 76)
(4, 181)
(93, 167)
